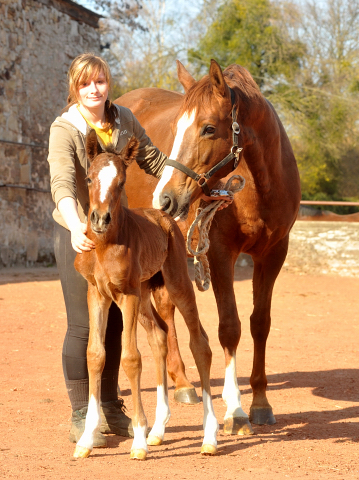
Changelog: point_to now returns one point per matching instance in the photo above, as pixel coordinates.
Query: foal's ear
(93, 148)
(217, 79)
(129, 152)
(185, 78)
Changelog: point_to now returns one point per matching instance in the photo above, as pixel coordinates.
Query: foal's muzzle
(100, 222)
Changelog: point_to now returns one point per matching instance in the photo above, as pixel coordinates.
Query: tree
(247, 32)
(305, 58)
(147, 57)
(319, 107)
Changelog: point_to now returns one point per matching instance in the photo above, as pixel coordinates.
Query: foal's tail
(156, 281)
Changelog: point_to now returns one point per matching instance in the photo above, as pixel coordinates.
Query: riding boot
(78, 420)
(113, 417)
(78, 391)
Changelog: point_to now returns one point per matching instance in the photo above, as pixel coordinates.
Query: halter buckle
(236, 150)
(235, 127)
(202, 179)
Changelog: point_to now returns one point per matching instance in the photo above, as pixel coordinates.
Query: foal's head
(106, 178)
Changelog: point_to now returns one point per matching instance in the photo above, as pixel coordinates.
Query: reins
(202, 222)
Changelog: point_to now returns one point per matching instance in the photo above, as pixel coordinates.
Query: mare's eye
(208, 130)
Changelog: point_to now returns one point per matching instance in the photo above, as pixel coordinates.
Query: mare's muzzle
(100, 221)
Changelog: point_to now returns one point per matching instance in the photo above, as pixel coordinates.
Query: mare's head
(106, 178)
(203, 137)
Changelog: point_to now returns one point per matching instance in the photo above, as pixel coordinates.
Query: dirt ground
(313, 376)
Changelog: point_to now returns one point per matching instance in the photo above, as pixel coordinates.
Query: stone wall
(38, 40)
(324, 248)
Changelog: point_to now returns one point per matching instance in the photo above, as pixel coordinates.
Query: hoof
(187, 396)
(208, 449)
(237, 426)
(154, 440)
(138, 454)
(81, 452)
(262, 416)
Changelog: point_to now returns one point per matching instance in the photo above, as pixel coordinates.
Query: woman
(88, 107)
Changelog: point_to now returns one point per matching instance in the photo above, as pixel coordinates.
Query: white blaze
(183, 124)
(106, 177)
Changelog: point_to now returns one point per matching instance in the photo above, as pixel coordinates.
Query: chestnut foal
(135, 249)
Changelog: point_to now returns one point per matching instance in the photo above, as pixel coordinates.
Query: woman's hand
(227, 200)
(80, 243)
(68, 208)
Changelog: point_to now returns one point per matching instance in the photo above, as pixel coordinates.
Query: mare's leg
(131, 363)
(265, 273)
(181, 292)
(185, 391)
(157, 340)
(236, 421)
(96, 355)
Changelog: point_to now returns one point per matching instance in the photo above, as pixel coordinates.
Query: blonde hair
(81, 69)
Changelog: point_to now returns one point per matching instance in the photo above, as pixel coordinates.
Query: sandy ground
(313, 376)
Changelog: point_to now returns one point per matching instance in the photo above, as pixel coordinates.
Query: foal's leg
(185, 391)
(157, 339)
(181, 291)
(131, 363)
(236, 421)
(96, 355)
(265, 273)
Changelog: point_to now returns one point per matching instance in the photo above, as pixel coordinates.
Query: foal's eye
(208, 130)
(88, 180)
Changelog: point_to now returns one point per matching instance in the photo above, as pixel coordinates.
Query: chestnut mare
(195, 130)
(135, 250)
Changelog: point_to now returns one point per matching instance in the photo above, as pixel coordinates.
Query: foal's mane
(201, 93)
(110, 148)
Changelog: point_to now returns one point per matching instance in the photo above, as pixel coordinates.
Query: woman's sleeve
(61, 159)
(149, 158)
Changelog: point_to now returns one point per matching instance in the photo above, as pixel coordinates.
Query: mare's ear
(217, 79)
(185, 78)
(129, 152)
(93, 148)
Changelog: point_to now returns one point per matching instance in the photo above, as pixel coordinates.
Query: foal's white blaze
(106, 177)
(183, 124)
(162, 413)
(210, 424)
(93, 421)
(231, 394)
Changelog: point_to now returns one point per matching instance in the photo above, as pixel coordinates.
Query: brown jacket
(68, 162)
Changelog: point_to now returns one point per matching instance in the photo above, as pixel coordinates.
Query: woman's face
(93, 93)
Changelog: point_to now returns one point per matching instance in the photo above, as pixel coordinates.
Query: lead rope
(202, 222)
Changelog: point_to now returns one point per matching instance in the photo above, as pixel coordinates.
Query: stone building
(38, 40)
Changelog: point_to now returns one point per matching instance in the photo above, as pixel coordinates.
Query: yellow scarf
(105, 135)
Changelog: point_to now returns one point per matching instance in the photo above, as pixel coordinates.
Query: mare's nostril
(165, 202)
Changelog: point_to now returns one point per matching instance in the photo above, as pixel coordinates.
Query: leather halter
(201, 178)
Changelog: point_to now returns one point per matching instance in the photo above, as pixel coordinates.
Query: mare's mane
(201, 93)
